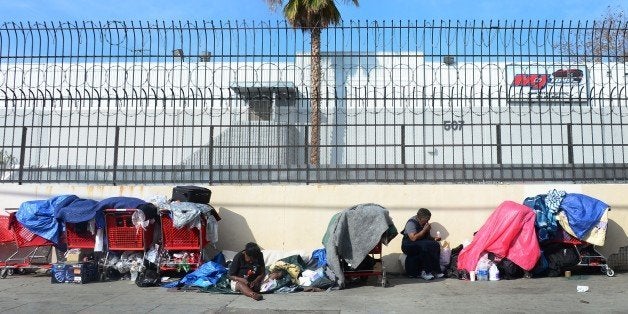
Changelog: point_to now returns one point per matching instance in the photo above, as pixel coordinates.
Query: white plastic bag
(445, 255)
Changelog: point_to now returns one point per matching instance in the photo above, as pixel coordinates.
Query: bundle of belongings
(352, 234)
(535, 239)
(52, 217)
(47, 218)
(509, 235)
(285, 273)
(567, 225)
(188, 215)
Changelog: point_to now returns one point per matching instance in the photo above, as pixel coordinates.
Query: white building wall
(388, 89)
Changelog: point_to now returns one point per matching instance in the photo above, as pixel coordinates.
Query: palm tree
(312, 16)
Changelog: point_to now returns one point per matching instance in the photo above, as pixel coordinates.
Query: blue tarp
(85, 211)
(44, 217)
(583, 212)
(39, 216)
(206, 275)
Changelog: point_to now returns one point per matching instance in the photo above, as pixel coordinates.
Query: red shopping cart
(77, 238)
(122, 235)
(183, 247)
(587, 254)
(80, 238)
(8, 248)
(378, 270)
(33, 252)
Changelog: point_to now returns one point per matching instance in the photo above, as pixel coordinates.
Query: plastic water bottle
(482, 274)
(493, 273)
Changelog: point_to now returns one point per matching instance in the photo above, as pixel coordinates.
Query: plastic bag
(445, 255)
(139, 220)
(153, 253)
(148, 278)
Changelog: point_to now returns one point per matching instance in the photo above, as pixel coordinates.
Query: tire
(609, 272)
(4, 273)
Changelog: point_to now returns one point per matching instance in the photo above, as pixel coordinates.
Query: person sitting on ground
(247, 271)
(421, 249)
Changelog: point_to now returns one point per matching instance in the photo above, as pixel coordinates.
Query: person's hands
(427, 227)
(255, 282)
(437, 238)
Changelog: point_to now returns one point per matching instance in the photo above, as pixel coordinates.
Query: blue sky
(256, 10)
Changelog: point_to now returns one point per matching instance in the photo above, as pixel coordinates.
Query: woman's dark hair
(424, 213)
(253, 251)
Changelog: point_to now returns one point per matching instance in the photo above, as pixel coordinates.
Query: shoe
(439, 275)
(426, 276)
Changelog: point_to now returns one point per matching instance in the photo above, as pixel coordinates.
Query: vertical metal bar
(116, 145)
(403, 145)
(211, 154)
(570, 159)
(22, 155)
(498, 141)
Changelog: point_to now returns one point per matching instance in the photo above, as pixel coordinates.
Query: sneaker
(439, 275)
(426, 276)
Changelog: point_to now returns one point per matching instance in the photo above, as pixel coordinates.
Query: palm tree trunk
(315, 98)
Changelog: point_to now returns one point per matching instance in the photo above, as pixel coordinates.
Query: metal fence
(229, 102)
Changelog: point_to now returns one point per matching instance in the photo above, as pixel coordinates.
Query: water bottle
(493, 273)
(483, 274)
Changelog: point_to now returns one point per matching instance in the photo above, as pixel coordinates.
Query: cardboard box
(74, 273)
(58, 272)
(73, 256)
(85, 272)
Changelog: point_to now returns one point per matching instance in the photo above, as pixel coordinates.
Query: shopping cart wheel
(609, 272)
(6, 272)
(384, 279)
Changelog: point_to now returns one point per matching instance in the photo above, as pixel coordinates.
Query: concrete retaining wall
(295, 217)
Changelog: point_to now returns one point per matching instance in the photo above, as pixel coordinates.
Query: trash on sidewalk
(582, 288)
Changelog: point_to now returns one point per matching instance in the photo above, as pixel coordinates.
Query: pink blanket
(508, 232)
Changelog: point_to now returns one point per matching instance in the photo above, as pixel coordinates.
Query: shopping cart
(7, 245)
(587, 254)
(377, 270)
(182, 249)
(84, 239)
(123, 236)
(32, 251)
(77, 238)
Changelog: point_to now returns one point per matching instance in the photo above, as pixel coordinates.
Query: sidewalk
(35, 294)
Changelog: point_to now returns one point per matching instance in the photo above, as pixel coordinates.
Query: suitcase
(190, 193)
(193, 194)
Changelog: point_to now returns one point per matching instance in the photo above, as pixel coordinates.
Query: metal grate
(230, 102)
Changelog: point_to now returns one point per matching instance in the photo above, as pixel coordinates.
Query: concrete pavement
(35, 294)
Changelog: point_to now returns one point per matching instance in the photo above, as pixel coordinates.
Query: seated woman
(422, 250)
(247, 271)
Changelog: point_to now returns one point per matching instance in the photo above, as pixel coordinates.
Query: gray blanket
(353, 233)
